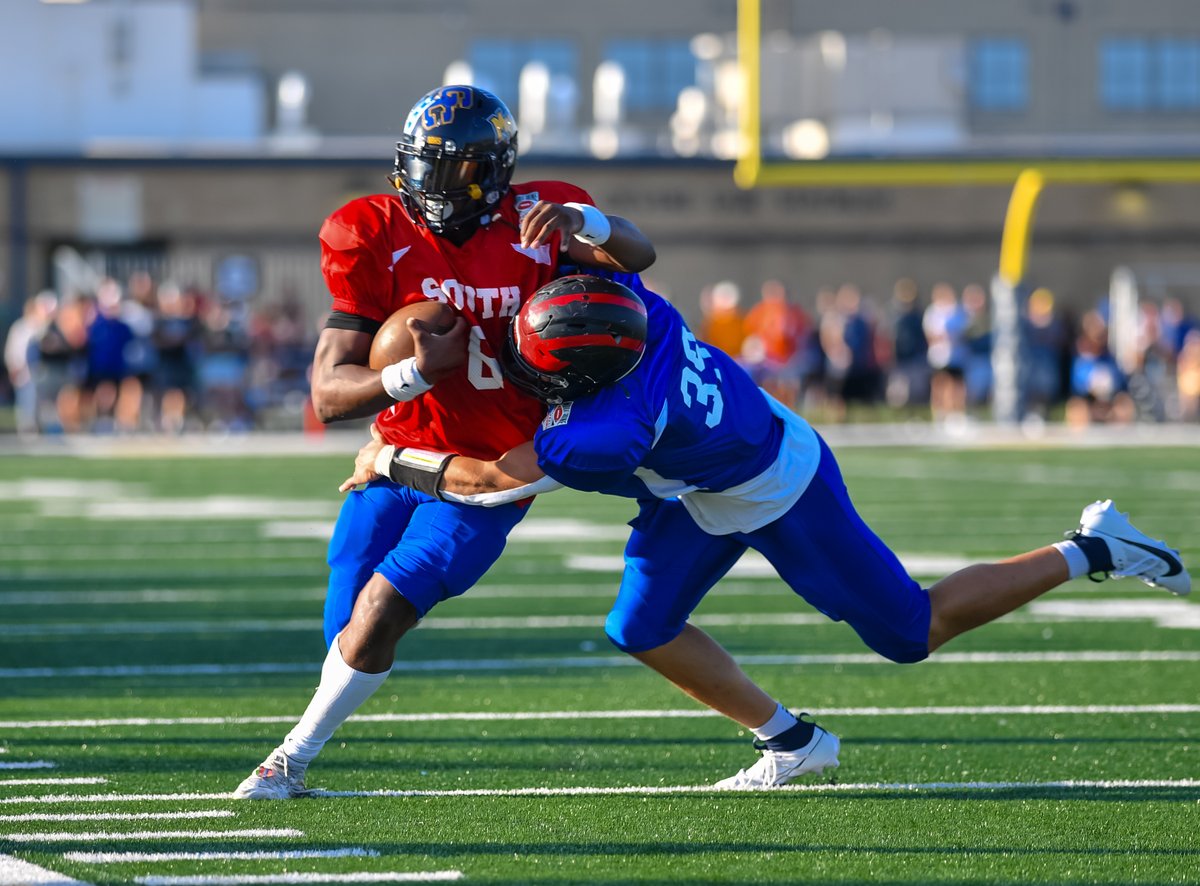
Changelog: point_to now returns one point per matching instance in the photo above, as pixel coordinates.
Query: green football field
(160, 632)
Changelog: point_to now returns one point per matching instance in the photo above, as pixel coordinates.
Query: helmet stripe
(607, 298)
(582, 341)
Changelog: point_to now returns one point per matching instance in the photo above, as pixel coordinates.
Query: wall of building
(706, 229)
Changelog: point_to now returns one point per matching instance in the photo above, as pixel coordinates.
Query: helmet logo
(503, 125)
(443, 104)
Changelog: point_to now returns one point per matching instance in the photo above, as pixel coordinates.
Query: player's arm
(344, 386)
(592, 238)
(512, 477)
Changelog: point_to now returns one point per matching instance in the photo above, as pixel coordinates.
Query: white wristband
(596, 226)
(403, 381)
(383, 461)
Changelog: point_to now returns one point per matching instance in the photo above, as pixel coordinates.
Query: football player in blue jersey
(639, 408)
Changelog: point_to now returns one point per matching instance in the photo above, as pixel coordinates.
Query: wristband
(418, 469)
(383, 460)
(403, 381)
(596, 227)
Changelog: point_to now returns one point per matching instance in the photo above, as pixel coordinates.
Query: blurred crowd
(140, 356)
(931, 354)
(136, 356)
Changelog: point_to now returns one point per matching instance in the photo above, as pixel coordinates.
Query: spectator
(1098, 390)
(21, 358)
(847, 339)
(908, 381)
(722, 323)
(775, 329)
(108, 371)
(1047, 340)
(176, 341)
(62, 365)
(1188, 377)
(945, 324)
(139, 310)
(224, 367)
(977, 340)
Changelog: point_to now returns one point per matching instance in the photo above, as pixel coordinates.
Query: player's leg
(1106, 543)
(660, 587)
(659, 590)
(370, 523)
(828, 555)
(445, 549)
(825, 551)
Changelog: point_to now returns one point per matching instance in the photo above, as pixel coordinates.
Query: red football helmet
(573, 337)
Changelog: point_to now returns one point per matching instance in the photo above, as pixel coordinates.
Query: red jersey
(376, 260)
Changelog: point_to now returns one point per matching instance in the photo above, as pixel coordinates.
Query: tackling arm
(512, 477)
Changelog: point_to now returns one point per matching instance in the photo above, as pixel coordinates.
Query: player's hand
(438, 355)
(364, 462)
(540, 223)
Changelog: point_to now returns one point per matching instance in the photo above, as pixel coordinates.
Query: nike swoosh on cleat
(1174, 567)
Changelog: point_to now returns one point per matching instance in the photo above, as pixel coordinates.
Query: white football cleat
(1134, 554)
(278, 778)
(777, 768)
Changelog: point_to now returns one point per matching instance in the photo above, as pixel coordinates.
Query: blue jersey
(687, 418)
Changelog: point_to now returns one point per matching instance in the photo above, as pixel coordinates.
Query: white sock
(781, 721)
(1077, 561)
(341, 691)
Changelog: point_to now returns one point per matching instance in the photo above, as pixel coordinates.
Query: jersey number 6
(692, 385)
(482, 371)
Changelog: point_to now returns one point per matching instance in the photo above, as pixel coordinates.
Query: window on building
(497, 64)
(1150, 74)
(656, 71)
(998, 74)
(1179, 74)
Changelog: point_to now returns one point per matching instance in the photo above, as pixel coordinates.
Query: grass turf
(154, 563)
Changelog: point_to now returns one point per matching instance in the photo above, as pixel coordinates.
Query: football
(393, 342)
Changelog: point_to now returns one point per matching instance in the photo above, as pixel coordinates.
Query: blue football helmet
(455, 158)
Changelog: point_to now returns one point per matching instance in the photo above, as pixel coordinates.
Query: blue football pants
(429, 550)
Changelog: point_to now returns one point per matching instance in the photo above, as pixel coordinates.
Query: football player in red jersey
(459, 232)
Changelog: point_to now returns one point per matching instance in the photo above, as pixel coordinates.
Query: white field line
(632, 714)
(753, 586)
(140, 551)
(118, 816)
(799, 788)
(634, 790)
(155, 596)
(1174, 614)
(754, 564)
(257, 626)
(529, 530)
(22, 873)
(29, 764)
(9, 782)
(600, 661)
(303, 877)
(263, 855)
(114, 836)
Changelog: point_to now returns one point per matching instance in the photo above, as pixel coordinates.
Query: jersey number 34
(693, 387)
